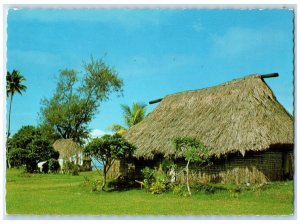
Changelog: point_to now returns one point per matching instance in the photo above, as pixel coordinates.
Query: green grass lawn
(58, 194)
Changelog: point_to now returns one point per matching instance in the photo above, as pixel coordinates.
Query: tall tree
(131, 116)
(76, 100)
(14, 84)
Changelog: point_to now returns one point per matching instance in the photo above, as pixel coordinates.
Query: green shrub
(148, 175)
(70, 168)
(93, 185)
(53, 165)
(31, 164)
(121, 183)
(45, 167)
(96, 184)
(179, 189)
(166, 165)
(17, 157)
(158, 187)
(161, 176)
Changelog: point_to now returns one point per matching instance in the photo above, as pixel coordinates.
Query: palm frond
(117, 128)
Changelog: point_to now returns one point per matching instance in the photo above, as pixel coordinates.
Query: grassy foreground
(58, 194)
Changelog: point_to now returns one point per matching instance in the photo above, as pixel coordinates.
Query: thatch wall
(123, 168)
(253, 167)
(258, 167)
(238, 116)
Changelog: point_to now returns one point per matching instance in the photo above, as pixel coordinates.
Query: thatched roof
(66, 148)
(241, 115)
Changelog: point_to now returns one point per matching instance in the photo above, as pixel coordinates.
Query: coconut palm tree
(13, 85)
(131, 116)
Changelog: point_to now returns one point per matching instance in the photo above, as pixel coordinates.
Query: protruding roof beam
(155, 101)
(272, 75)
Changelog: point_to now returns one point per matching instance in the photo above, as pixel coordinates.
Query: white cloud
(98, 133)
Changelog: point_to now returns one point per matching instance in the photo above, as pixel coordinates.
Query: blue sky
(155, 52)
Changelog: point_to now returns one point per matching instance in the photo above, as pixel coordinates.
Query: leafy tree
(29, 147)
(76, 100)
(107, 149)
(131, 116)
(193, 151)
(48, 132)
(14, 85)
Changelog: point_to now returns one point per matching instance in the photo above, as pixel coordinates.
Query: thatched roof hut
(237, 116)
(66, 148)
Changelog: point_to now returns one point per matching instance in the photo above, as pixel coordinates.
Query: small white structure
(40, 165)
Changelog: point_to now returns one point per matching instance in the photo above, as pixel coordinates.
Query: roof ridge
(233, 81)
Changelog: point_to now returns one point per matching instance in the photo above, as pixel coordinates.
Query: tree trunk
(104, 178)
(8, 132)
(187, 177)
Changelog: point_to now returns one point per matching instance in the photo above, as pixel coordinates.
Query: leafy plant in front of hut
(107, 149)
(148, 175)
(193, 151)
(155, 181)
(158, 187)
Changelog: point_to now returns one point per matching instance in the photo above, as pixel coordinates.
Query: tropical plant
(107, 149)
(193, 151)
(131, 116)
(14, 85)
(149, 178)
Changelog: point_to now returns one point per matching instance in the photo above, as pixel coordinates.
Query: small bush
(161, 176)
(148, 175)
(53, 165)
(70, 168)
(121, 183)
(31, 164)
(93, 185)
(96, 185)
(179, 189)
(167, 165)
(158, 187)
(207, 188)
(17, 157)
(45, 167)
